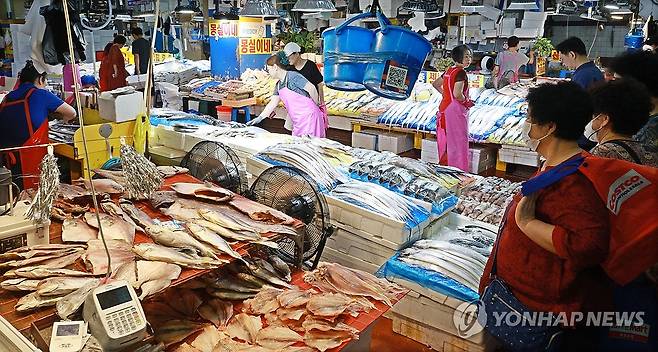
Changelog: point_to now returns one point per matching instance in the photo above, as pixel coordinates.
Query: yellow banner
(223, 28)
(255, 46)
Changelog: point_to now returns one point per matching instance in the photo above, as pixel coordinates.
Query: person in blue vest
(24, 117)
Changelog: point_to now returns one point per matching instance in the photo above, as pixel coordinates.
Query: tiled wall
(609, 41)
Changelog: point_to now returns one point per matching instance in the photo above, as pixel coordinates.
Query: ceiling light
(617, 17)
(259, 8)
(522, 5)
(314, 6)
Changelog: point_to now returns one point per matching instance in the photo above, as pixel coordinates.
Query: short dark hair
(29, 73)
(512, 41)
(625, 101)
(642, 66)
(137, 31)
(572, 44)
(279, 59)
(459, 51)
(566, 104)
(119, 39)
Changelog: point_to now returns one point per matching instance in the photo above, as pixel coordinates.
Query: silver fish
(205, 235)
(20, 284)
(59, 286)
(229, 284)
(34, 301)
(178, 239)
(263, 273)
(281, 267)
(155, 252)
(223, 220)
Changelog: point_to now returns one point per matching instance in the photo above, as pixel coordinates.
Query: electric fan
(293, 192)
(217, 163)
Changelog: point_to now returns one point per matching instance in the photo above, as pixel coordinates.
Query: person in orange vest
(24, 116)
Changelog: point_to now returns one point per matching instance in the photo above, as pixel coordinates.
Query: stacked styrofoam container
(532, 25)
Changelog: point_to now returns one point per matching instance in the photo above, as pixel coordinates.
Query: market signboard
(254, 46)
(222, 29)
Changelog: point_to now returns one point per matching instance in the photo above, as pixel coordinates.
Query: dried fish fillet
(324, 340)
(70, 303)
(37, 272)
(277, 337)
(208, 339)
(264, 302)
(20, 284)
(77, 230)
(151, 276)
(328, 304)
(285, 314)
(217, 312)
(155, 252)
(114, 228)
(96, 258)
(175, 331)
(60, 286)
(244, 327)
(203, 191)
(260, 212)
(185, 347)
(294, 298)
(313, 323)
(34, 301)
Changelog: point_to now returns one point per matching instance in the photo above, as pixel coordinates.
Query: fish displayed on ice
(244, 327)
(179, 239)
(217, 312)
(277, 337)
(34, 301)
(205, 191)
(264, 302)
(211, 238)
(151, 276)
(156, 252)
(20, 284)
(114, 228)
(77, 230)
(96, 258)
(261, 212)
(60, 286)
(70, 303)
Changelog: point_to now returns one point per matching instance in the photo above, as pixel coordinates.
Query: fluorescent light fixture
(621, 11)
(523, 5)
(144, 15)
(123, 17)
(314, 6)
(420, 6)
(617, 17)
(259, 8)
(611, 7)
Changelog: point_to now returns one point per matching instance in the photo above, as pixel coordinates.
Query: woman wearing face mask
(552, 243)
(299, 96)
(452, 122)
(621, 109)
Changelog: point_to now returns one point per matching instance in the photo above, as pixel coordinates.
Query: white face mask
(590, 132)
(532, 143)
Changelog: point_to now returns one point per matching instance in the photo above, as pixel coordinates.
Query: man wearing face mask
(621, 109)
(552, 242)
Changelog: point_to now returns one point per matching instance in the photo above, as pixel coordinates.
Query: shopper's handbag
(499, 301)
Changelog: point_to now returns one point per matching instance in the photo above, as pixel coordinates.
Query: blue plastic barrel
(403, 54)
(341, 74)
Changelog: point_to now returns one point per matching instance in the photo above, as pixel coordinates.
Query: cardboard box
(395, 142)
(481, 158)
(121, 108)
(429, 152)
(365, 140)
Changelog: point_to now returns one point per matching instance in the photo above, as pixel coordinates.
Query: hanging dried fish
(142, 176)
(42, 203)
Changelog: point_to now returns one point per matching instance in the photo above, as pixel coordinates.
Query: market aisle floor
(385, 340)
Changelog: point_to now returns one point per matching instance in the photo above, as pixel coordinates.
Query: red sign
(254, 46)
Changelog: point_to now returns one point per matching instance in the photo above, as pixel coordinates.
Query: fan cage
(217, 163)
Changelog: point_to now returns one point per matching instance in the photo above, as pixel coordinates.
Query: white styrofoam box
(534, 16)
(334, 256)
(526, 32)
(508, 22)
(472, 20)
(481, 158)
(453, 221)
(485, 25)
(514, 155)
(374, 223)
(429, 152)
(364, 140)
(120, 108)
(368, 250)
(489, 12)
(388, 240)
(491, 33)
(507, 32)
(161, 155)
(436, 339)
(531, 24)
(395, 142)
(166, 136)
(191, 140)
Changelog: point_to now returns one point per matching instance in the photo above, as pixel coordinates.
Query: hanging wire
(76, 87)
(596, 32)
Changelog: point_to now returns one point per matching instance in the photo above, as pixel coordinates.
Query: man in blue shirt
(573, 55)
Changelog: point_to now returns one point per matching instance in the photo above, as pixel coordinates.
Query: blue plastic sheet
(155, 121)
(429, 279)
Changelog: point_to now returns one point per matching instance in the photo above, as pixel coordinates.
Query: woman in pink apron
(452, 121)
(299, 96)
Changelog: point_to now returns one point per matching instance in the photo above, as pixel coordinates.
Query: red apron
(29, 158)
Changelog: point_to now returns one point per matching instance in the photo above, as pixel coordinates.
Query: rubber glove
(256, 121)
